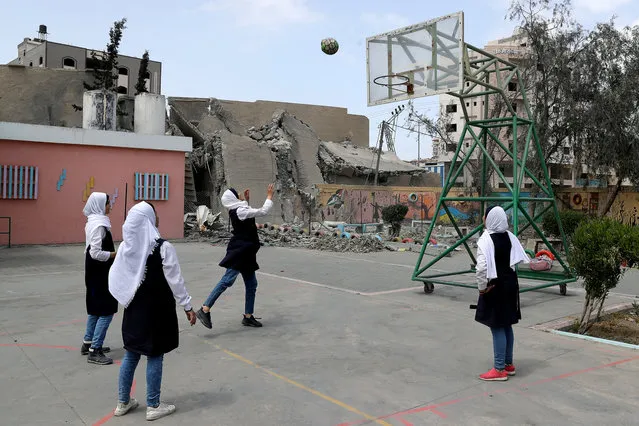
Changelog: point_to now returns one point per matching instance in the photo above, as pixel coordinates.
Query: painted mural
(626, 208)
(364, 204)
(360, 204)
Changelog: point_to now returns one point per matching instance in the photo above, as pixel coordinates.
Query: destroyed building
(285, 150)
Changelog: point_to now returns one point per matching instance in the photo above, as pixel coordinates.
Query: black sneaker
(96, 356)
(251, 322)
(84, 350)
(204, 317)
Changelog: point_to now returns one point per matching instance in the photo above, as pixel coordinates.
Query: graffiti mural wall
(364, 204)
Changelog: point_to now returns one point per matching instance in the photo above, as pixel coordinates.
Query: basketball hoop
(394, 80)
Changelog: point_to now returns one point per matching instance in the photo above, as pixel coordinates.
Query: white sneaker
(122, 408)
(162, 410)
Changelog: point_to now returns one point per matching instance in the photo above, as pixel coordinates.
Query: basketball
(330, 46)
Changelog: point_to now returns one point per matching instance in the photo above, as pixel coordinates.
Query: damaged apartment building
(251, 144)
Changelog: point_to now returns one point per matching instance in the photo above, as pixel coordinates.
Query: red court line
(109, 416)
(520, 388)
(75, 321)
(36, 345)
(59, 324)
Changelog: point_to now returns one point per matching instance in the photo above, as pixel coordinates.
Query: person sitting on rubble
(98, 258)
(146, 279)
(241, 254)
(498, 251)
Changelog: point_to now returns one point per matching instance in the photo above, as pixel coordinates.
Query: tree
(555, 43)
(105, 64)
(394, 215)
(607, 97)
(140, 86)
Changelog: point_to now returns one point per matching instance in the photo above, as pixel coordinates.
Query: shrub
(599, 247)
(570, 219)
(394, 215)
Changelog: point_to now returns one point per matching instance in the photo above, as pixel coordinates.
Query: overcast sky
(268, 49)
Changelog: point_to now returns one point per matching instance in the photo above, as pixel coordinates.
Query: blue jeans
(250, 282)
(153, 378)
(503, 342)
(97, 328)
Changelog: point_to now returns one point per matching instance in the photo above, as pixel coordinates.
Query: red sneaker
(510, 369)
(494, 375)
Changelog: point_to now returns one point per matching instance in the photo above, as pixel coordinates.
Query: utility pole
(419, 133)
(379, 150)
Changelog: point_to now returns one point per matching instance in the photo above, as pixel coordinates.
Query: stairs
(190, 197)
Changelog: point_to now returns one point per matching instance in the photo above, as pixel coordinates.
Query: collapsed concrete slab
(254, 174)
(345, 163)
(284, 151)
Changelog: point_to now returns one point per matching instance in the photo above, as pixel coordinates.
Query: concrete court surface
(348, 340)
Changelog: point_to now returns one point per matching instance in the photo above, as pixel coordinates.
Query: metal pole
(418, 141)
(379, 152)
(126, 197)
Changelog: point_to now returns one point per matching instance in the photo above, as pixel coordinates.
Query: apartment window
(467, 84)
(123, 90)
(68, 63)
(30, 64)
(24, 52)
(514, 107)
(41, 60)
(123, 71)
(567, 150)
(512, 87)
(451, 127)
(451, 108)
(474, 103)
(467, 104)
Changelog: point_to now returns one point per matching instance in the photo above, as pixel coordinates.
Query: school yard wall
(72, 163)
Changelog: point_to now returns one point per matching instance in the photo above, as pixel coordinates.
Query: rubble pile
(323, 242)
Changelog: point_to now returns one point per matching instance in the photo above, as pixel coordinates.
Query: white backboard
(428, 55)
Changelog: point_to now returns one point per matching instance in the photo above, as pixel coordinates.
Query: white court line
(399, 290)
(310, 283)
(577, 289)
(355, 259)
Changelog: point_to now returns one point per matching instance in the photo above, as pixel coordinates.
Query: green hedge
(599, 246)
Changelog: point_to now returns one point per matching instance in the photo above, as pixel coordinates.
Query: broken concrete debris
(285, 151)
(204, 226)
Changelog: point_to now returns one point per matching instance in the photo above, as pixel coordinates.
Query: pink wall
(56, 216)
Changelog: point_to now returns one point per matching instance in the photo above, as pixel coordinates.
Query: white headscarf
(95, 211)
(139, 236)
(230, 201)
(496, 223)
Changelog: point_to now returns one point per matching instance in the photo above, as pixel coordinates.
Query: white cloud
(600, 6)
(386, 21)
(264, 13)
